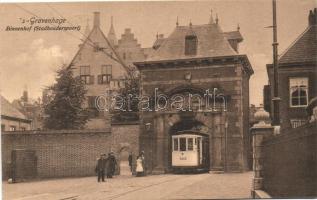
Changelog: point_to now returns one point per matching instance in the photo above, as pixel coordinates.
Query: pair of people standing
(106, 165)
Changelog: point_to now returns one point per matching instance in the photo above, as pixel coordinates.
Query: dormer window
(191, 45)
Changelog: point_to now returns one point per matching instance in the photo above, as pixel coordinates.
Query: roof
(7, 109)
(303, 49)
(211, 43)
(233, 35)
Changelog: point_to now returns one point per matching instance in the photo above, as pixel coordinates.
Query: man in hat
(111, 165)
(101, 167)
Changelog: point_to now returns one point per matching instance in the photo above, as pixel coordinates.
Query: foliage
(66, 97)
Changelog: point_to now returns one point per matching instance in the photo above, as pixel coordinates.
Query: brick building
(11, 118)
(193, 59)
(297, 77)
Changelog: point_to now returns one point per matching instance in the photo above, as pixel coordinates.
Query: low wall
(289, 165)
(68, 153)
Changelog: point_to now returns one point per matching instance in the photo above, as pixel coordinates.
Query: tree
(130, 93)
(65, 107)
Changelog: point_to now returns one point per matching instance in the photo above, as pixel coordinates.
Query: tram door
(205, 149)
(199, 150)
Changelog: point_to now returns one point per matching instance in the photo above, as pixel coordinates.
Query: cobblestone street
(198, 186)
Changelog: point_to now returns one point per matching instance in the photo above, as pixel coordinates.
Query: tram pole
(276, 99)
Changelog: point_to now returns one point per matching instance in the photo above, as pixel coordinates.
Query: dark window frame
(191, 43)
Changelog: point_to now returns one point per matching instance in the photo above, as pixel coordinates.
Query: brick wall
(290, 163)
(70, 153)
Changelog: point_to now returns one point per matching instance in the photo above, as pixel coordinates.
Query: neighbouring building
(31, 108)
(12, 119)
(192, 60)
(297, 74)
(102, 63)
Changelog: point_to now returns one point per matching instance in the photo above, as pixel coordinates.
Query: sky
(28, 60)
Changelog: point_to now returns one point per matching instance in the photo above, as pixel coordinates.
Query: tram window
(182, 144)
(190, 144)
(175, 144)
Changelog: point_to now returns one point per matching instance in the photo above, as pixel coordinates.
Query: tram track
(146, 187)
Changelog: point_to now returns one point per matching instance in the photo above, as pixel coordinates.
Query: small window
(3, 127)
(23, 128)
(92, 107)
(124, 56)
(298, 92)
(85, 74)
(106, 74)
(182, 144)
(175, 144)
(297, 122)
(191, 45)
(13, 128)
(190, 144)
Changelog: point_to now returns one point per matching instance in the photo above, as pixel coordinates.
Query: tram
(190, 152)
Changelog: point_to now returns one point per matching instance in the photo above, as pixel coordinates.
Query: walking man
(130, 161)
(111, 165)
(101, 167)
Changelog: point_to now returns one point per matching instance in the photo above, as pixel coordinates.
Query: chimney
(96, 19)
(312, 18)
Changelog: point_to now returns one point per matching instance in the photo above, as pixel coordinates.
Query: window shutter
(91, 80)
(99, 79)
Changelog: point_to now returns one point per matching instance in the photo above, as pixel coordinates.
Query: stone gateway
(192, 60)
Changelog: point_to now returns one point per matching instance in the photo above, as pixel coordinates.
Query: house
(297, 74)
(102, 62)
(11, 118)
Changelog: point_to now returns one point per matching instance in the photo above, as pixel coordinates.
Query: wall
(68, 153)
(290, 163)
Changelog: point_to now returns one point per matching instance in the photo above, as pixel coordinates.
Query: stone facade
(171, 72)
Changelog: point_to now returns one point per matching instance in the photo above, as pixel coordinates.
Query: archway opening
(189, 146)
(124, 162)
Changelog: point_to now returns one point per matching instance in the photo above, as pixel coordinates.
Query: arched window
(298, 92)
(191, 45)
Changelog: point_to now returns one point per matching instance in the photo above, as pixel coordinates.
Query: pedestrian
(130, 158)
(101, 167)
(139, 167)
(142, 155)
(111, 165)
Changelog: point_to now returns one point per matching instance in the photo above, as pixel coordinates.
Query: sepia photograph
(152, 100)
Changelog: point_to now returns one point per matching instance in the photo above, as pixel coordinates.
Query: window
(106, 74)
(13, 128)
(297, 122)
(124, 56)
(85, 74)
(191, 45)
(190, 144)
(3, 127)
(182, 144)
(175, 144)
(93, 111)
(298, 92)
(23, 129)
